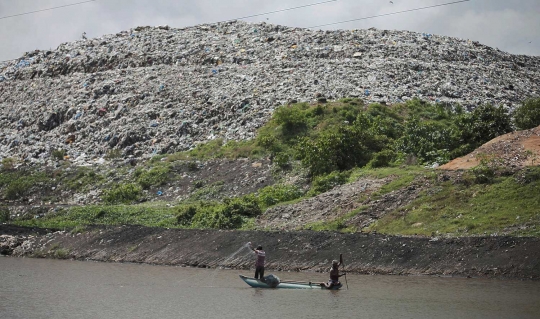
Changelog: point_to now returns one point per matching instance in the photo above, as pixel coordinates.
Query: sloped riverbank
(494, 257)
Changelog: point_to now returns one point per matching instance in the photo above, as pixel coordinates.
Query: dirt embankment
(515, 150)
(502, 257)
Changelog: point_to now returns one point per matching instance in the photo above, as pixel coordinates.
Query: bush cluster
(527, 116)
(153, 177)
(19, 183)
(227, 215)
(348, 134)
(17, 189)
(185, 214)
(272, 195)
(327, 182)
(4, 214)
(233, 212)
(122, 193)
(59, 154)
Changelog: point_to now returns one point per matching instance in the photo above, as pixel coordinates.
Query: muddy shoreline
(492, 257)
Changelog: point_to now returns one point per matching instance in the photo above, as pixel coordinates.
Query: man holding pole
(334, 273)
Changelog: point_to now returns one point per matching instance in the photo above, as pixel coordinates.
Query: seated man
(334, 275)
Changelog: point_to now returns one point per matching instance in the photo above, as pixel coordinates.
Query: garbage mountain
(154, 90)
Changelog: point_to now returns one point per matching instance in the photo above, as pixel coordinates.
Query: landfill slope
(154, 90)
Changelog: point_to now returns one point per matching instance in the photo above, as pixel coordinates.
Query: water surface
(39, 288)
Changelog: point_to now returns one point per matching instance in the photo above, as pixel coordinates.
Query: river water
(39, 288)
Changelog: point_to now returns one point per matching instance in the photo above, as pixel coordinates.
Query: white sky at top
(512, 26)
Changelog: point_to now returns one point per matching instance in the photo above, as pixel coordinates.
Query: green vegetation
(4, 214)
(153, 215)
(58, 154)
(233, 212)
(219, 149)
(59, 253)
(55, 251)
(507, 204)
(325, 183)
(336, 143)
(153, 177)
(472, 207)
(229, 215)
(208, 192)
(527, 115)
(348, 134)
(17, 184)
(80, 179)
(122, 193)
(185, 214)
(279, 193)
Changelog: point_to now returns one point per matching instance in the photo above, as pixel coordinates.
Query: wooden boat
(256, 283)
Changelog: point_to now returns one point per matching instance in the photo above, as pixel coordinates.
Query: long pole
(343, 265)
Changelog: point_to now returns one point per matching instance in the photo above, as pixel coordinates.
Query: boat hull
(256, 283)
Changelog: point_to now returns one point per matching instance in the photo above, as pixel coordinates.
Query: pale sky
(512, 26)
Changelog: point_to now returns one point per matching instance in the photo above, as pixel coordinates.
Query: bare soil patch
(515, 150)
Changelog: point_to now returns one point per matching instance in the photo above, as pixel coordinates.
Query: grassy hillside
(507, 205)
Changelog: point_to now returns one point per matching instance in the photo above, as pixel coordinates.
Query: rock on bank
(509, 257)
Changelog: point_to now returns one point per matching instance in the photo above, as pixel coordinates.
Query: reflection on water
(36, 288)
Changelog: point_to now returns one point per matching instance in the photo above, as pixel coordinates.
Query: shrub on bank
(527, 115)
(247, 206)
(185, 215)
(17, 189)
(480, 126)
(122, 193)
(272, 195)
(325, 183)
(4, 214)
(217, 216)
(382, 159)
(154, 177)
(230, 214)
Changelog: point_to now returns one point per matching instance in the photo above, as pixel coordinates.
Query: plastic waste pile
(157, 90)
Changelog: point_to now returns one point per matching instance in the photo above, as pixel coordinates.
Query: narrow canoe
(256, 283)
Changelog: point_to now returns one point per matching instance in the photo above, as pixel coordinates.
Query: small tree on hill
(527, 115)
(480, 126)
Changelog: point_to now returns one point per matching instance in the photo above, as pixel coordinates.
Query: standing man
(259, 263)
